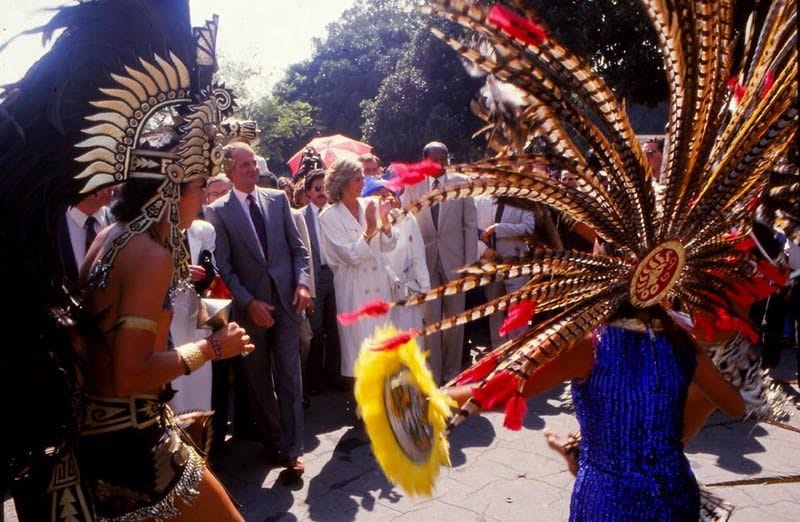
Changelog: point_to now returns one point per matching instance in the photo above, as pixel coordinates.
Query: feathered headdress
(731, 119)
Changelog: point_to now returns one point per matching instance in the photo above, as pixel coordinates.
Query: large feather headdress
(124, 93)
(731, 119)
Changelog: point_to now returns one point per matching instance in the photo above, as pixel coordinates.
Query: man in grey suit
(265, 265)
(505, 229)
(450, 233)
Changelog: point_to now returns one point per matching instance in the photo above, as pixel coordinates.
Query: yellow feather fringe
(372, 368)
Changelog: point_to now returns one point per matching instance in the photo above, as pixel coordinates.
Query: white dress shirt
(242, 198)
(76, 223)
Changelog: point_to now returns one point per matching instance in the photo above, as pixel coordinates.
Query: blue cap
(373, 185)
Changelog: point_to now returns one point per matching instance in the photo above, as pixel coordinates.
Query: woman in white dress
(355, 234)
(406, 264)
(193, 390)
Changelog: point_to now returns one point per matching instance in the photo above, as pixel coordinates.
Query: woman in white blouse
(355, 234)
(406, 264)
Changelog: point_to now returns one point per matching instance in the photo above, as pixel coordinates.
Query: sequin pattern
(630, 409)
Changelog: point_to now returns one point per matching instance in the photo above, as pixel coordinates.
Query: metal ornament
(657, 274)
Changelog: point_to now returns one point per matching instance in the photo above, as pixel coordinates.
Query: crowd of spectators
(294, 251)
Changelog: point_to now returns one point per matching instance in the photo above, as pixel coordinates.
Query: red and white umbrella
(331, 148)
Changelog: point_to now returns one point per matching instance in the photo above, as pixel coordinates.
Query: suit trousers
(273, 375)
(445, 347)
(325, 355)
(243, 422)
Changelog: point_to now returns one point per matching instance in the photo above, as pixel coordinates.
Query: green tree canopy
(378, 74)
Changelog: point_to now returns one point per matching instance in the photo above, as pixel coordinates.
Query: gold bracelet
(191, 356)
(368, 237)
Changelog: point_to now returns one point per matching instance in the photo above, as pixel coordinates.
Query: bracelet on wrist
(192, 357)
(216, 345)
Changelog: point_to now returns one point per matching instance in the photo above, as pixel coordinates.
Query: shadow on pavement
(349, 482)
(730, 441)
(475, 432)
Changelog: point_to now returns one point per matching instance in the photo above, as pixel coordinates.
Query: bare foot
(568, 449)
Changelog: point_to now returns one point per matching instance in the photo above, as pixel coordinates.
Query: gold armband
(136, 323)
(192, 357)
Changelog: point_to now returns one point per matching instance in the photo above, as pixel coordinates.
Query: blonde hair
(369, 157)
(337, 176)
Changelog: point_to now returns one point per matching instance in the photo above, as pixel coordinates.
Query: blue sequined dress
(630, 409)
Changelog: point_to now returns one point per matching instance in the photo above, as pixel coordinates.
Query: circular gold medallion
(656, 274)
(407, 410)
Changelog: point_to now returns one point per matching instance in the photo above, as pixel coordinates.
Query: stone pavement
(497, 474)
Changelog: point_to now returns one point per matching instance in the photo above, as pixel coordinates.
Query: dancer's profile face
(192, 197)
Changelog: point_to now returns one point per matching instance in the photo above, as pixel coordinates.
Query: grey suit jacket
(241, 261)
(302, 229)
(455, 242)
(308, 214)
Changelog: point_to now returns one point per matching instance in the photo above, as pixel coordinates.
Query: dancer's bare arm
(719, 391)
(573, 363)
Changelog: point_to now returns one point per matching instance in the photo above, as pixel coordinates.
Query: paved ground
(496, 475)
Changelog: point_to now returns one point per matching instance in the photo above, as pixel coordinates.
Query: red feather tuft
(496, 391)
(753, 204)
(479, 372)
(375, 308)
(408, 174)
(737, 90)
(745, 245)
(704, 326)
(731, 323)
(393, 342)
(516, 26)
(769, 79)
(518, 316)
(516, 409)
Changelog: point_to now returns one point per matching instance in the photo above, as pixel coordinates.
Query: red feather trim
(703, 326)
(408, 174)
(769, 79)
(732, 323)
(393, 342)
(479, 372)
(753, 204)
(496, 391)
(218, 289)
(518, 316)
(775, 274)
(516, 26)
(375, 308)
(745, 245)
(516, 409)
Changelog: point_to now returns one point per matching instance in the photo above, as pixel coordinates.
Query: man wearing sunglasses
(324, 356)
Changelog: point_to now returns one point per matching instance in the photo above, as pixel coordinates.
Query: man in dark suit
(264, 263)
(324, 356)
(80, 226)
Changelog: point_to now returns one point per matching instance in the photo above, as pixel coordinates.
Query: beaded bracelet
(192, 357)
(216, 345)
